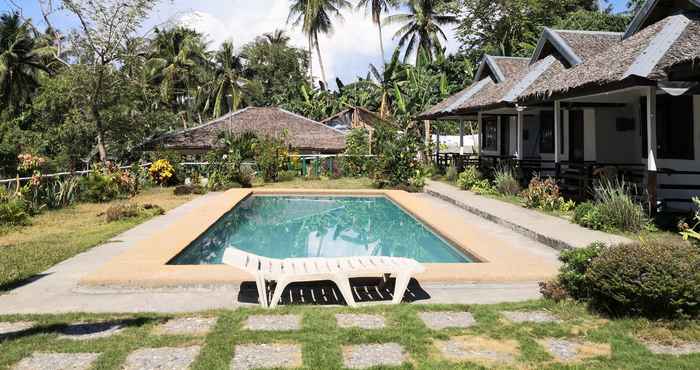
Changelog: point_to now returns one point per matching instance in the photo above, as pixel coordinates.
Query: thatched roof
(302, 133)
(642, 58)
(343, 120)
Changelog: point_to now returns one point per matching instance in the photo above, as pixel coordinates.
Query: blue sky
(347, 52)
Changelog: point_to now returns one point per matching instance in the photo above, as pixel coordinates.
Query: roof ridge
(308, 119)
(588, 32)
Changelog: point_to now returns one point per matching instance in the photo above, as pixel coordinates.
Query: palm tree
(420, 28)
(315, 17)
(22, 60)
(226, 82)
(177, 59)
(277, 37)
(376, 8)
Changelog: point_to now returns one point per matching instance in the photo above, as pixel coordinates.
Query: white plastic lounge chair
(337, 270)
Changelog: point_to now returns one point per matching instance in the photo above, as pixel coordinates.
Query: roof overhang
(490, 62)
(551, 36)
(646, 13)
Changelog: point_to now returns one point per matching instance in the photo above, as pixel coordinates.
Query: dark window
(547, 132)
(674, 127)
(490, 134)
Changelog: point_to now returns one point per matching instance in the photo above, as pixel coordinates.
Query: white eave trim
(491, 63)
(529, 78)
(559, 43)
(471, 91)
(644, 13)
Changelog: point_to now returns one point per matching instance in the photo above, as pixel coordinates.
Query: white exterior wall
(612, 146)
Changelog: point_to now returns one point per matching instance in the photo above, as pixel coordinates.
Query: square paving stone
(8, 329)
(87, 331)
(569, 351)
(676, 349)
(479, 350)
(187, 326)
(530, 316)
(360, 321)
(57, 361)
(257, 356)
(164, 358)
(441, 320)
(364, 356)
(273, 322)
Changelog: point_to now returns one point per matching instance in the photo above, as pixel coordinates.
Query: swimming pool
(287, 226)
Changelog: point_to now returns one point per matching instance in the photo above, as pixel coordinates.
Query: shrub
(161, 171)
(270, 156)
(653, 279)
(483, 187)
(572, 273)
(617, 208)
(587, 215)
(189, 189)
(62, 192)
(287, 175)
(692, 232)
(505, 181)
(469, 177)
(98, 187)
(543, 194)
(553, 290)
(13, 209)
(356, 148)
(395, 163)
(129, 210)
(451, 173)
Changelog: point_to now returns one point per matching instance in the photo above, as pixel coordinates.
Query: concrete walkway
(57, 290)
(553, 231)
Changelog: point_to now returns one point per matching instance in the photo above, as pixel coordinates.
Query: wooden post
(480, 134)
(427, 140)
(651, 148)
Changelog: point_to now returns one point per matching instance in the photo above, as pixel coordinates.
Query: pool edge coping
(144, 265)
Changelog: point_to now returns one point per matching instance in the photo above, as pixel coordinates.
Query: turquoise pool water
(319, 226)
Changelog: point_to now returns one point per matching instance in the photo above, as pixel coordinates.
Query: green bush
(270, 157)
(618, 211)
(13, 210)
(693, 233)
(356, 148)
(505, 181)
(543, 194)
(572, 273)
(286, 175)
(451, 173)
(98, 187)
(395, 162)
(61, 192)
(189, 189)
(654, 279)
(587, 215)
(129, 210)
(468, 178)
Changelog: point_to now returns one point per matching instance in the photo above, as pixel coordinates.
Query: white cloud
(346, 52)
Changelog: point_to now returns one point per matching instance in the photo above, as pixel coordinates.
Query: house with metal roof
(598, 102)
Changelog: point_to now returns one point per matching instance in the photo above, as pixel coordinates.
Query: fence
(304, 164)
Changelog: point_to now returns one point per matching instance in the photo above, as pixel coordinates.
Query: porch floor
(553, 231)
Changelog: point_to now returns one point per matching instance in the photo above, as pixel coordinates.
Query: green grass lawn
(54, 236)
(322, 341)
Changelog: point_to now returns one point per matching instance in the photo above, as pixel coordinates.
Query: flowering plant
(161, 171)
(28, 162)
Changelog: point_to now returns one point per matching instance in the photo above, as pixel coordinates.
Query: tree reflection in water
(323, 226)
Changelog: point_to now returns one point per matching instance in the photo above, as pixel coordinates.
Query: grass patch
(322, 340)
(54, 236)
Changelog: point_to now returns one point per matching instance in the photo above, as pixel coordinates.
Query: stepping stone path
(57, 361)
(442, 320)
(256, 356)
(530, 316)
(170, 358)
(11, 328)
(87, 331)
(273, 322)
(677, 350)
(364, 356)
(360, 321)
(187, 326)
(479, 349)
(567, 351)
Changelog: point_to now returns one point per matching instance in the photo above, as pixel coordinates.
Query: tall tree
(314, 16)
(421, 28)
(106, 26)
(277, 37)
(393, 74)
(376, 8)
(22, 60)
(177, 59)
(226, 82)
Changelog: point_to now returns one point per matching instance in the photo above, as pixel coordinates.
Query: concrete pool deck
(58, 291)
(145, 265)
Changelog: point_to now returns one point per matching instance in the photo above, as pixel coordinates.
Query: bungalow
(591, 102)
(302, 134)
